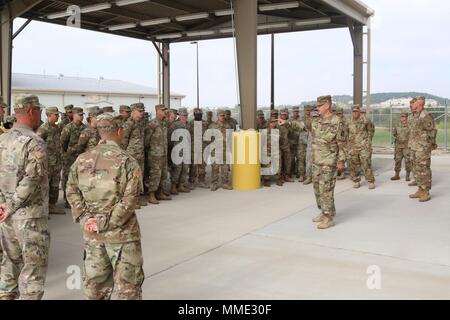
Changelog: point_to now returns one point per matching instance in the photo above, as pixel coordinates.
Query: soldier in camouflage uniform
(221, 169)
(125, 112)
(271, 132)
(360, 148)
(303, 147)
(69, 140)
(3, 106)
(67, 116)
(172, 116)
(24, 234)
(103, 188)
(294, 141)
(134, 140)
(410, 125)
(340, 114)
(285, 151)
(422, 142)
(231, 121)
(261, 122)
(157, 144)
(197, 172)
(89, 137)
(50, 132)
(209, 120)
(401, 138)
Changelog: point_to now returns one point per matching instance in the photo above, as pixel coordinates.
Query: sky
(410, 52)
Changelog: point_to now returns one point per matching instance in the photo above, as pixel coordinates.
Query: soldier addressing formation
(120, 162)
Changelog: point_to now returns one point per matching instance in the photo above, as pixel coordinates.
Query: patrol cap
(124, 108)
(108, 122)
(94, 111)
(228, 111)
(137, 107)
(68, 108)
(339, 110)
(308, 107)
(296, 109)
(274, 111)
(209, 113)
(108, 109)
(23, 100)
(198, 111)
(173, 111)
(221, 112)
(356, 108)
(404, 114)
(77, 110)
(323, 99)
(260, 113)
(284, 111)
(183, 112)
(420, 98)
(160, 107)
(52, 110)
(413, 100)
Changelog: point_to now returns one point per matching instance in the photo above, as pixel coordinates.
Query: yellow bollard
(246, 168)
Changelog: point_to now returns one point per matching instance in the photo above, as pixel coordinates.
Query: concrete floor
(263, 245)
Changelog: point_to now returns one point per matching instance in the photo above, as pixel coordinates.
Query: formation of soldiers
(133, 157)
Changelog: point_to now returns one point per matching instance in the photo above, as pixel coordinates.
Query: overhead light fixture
(122, 26)
(311, 22)
(96, 7)
(155, 22)
(273, 26)
(226, 12)
(200, 33)
(194, 16)
(279, 6)
(122, 3)
(169, 36)
(58, 15)
(226, 30)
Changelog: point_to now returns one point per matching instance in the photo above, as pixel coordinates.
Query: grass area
(382, 137)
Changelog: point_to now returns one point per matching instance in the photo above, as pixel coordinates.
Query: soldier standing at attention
(133, 140)
(125, 112)
(294, 140)
(3, 106)
(157, 139)
(231, 121)
(50, 132)
(209, 120)
(67, 117)
(24, 234)
(221, 169)
(360, 148)
(423, 142)
(197, 172)
(340, 114)
(303, 145)
(89, 137)
(285, 151)
(261, 123)
(401, 138)
(69, 139)
(272, 154)
(410, 125)
(103, 187)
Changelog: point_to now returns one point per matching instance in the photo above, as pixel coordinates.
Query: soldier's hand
(91, 225)
(341, 166)
(3, 214)
(281, 122)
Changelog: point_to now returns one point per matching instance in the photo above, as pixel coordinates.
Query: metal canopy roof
(188, 20)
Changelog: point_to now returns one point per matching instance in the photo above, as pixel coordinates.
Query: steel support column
(358, 65)
(6, 52)
(166, 74)
(246, 21)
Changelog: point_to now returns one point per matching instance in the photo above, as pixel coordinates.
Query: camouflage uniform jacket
(262, 125)
(294, 135)
(423, 132)
(359, 134)
(284, 137)
(104, 183)
(157, 138)
(89, 138)
(69, 139)
(328, 139)
(64, 122)
(133, 138)
(223, 127)
(301, 131)
(23, 173)
(174, 126)
(52, 136)
(232, 123)
(401, 135)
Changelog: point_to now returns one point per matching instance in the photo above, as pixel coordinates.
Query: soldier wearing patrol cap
(371, 125)
(261, 122)
(50, 132)
(67, 117)
(340, 114)
(285, 151)
(172, 116)
(134, 139)
(24, 232)
(401, 138)
(274, 114)
(230, 120)
(209, 118)
(69, 139)
(411, 120)
(157, 144)
(125, 112)
(89, 137)
(273, 133)
(303, 145)
(103, 187)
(294, 142)
(197, 171)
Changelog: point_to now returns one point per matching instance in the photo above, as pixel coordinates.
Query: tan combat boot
(356, 185)
(181, 188)
(288, 179)
(226, 186)
(173, 189)
(8, 297)
(371, 185)
(416, 195)
(425, 196)
(214, 187)
(152, 198)
(142, 202)
(413, 184)
(160, 195)
(267, 183)
(327, 223)
(408, 176)
(396, 177)
(280, 182)
(307, 181)
(301, 179)
(319, 218)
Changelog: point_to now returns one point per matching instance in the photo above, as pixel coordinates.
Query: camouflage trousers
(276, 176)
(286, 162)
(308, 159)
(146, 172)
(301, 159)
(67, 163)
(294, 157)
(197, 172)
(157, 172)
(113, 266)
(54, 178)
(219, 170)
(179, 173)
(361, 160)
(25, 245)
(324, 181)
(400, 154)
(421, 160)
